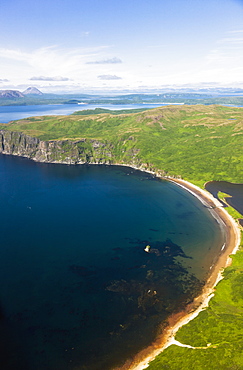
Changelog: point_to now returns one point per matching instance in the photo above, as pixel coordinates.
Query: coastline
(176, 321)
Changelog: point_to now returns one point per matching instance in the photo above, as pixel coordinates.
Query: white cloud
(114, 60)
(235, 31)
(85, 33)
(13, 54)
(231, 42)
(228, 54)
(48, 61)
(109, 77)
(44, 78)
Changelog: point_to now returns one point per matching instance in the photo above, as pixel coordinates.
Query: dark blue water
(77, 289)
(15, 112)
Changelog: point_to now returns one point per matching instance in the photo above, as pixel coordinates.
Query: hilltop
(32, 91)
(198, 143)
(10, 94)
(14, 95)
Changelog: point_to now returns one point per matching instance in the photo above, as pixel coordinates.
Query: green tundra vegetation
(87, 112)
(199, 143)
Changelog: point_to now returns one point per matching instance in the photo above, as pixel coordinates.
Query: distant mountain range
(13, 94)
(33, 96)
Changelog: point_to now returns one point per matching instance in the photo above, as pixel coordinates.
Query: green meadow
(198, 143)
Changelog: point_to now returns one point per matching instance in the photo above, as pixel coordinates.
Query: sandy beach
(175, 321)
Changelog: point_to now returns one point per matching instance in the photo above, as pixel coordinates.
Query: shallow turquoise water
(77, 290)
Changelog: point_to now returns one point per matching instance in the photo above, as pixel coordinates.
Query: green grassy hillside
(199, 143)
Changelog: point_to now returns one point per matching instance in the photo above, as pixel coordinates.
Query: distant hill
(15, 94)
(32, 91)
(11, 94)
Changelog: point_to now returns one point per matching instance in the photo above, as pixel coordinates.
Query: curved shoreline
(175, 321)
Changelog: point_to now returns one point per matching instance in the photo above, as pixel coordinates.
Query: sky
(120, 45)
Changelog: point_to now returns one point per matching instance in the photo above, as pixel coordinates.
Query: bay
(78, 290)
(15, 112)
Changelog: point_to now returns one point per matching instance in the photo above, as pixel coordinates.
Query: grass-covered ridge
(199, 142)
(87, 112)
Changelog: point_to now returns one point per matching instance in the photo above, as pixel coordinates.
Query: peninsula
(198, 143)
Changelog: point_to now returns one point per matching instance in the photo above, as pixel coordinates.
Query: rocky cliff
(61, 151)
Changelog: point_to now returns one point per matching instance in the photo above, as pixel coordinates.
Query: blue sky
(108, 45)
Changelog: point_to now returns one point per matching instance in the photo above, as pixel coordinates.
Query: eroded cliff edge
(63, 151)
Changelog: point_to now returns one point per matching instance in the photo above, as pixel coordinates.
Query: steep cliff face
(17, 143)
(60, 151)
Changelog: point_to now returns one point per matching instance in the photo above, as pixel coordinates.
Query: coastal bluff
(57, 151)
(184, 141)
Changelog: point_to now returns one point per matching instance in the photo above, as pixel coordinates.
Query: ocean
(93, 259)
